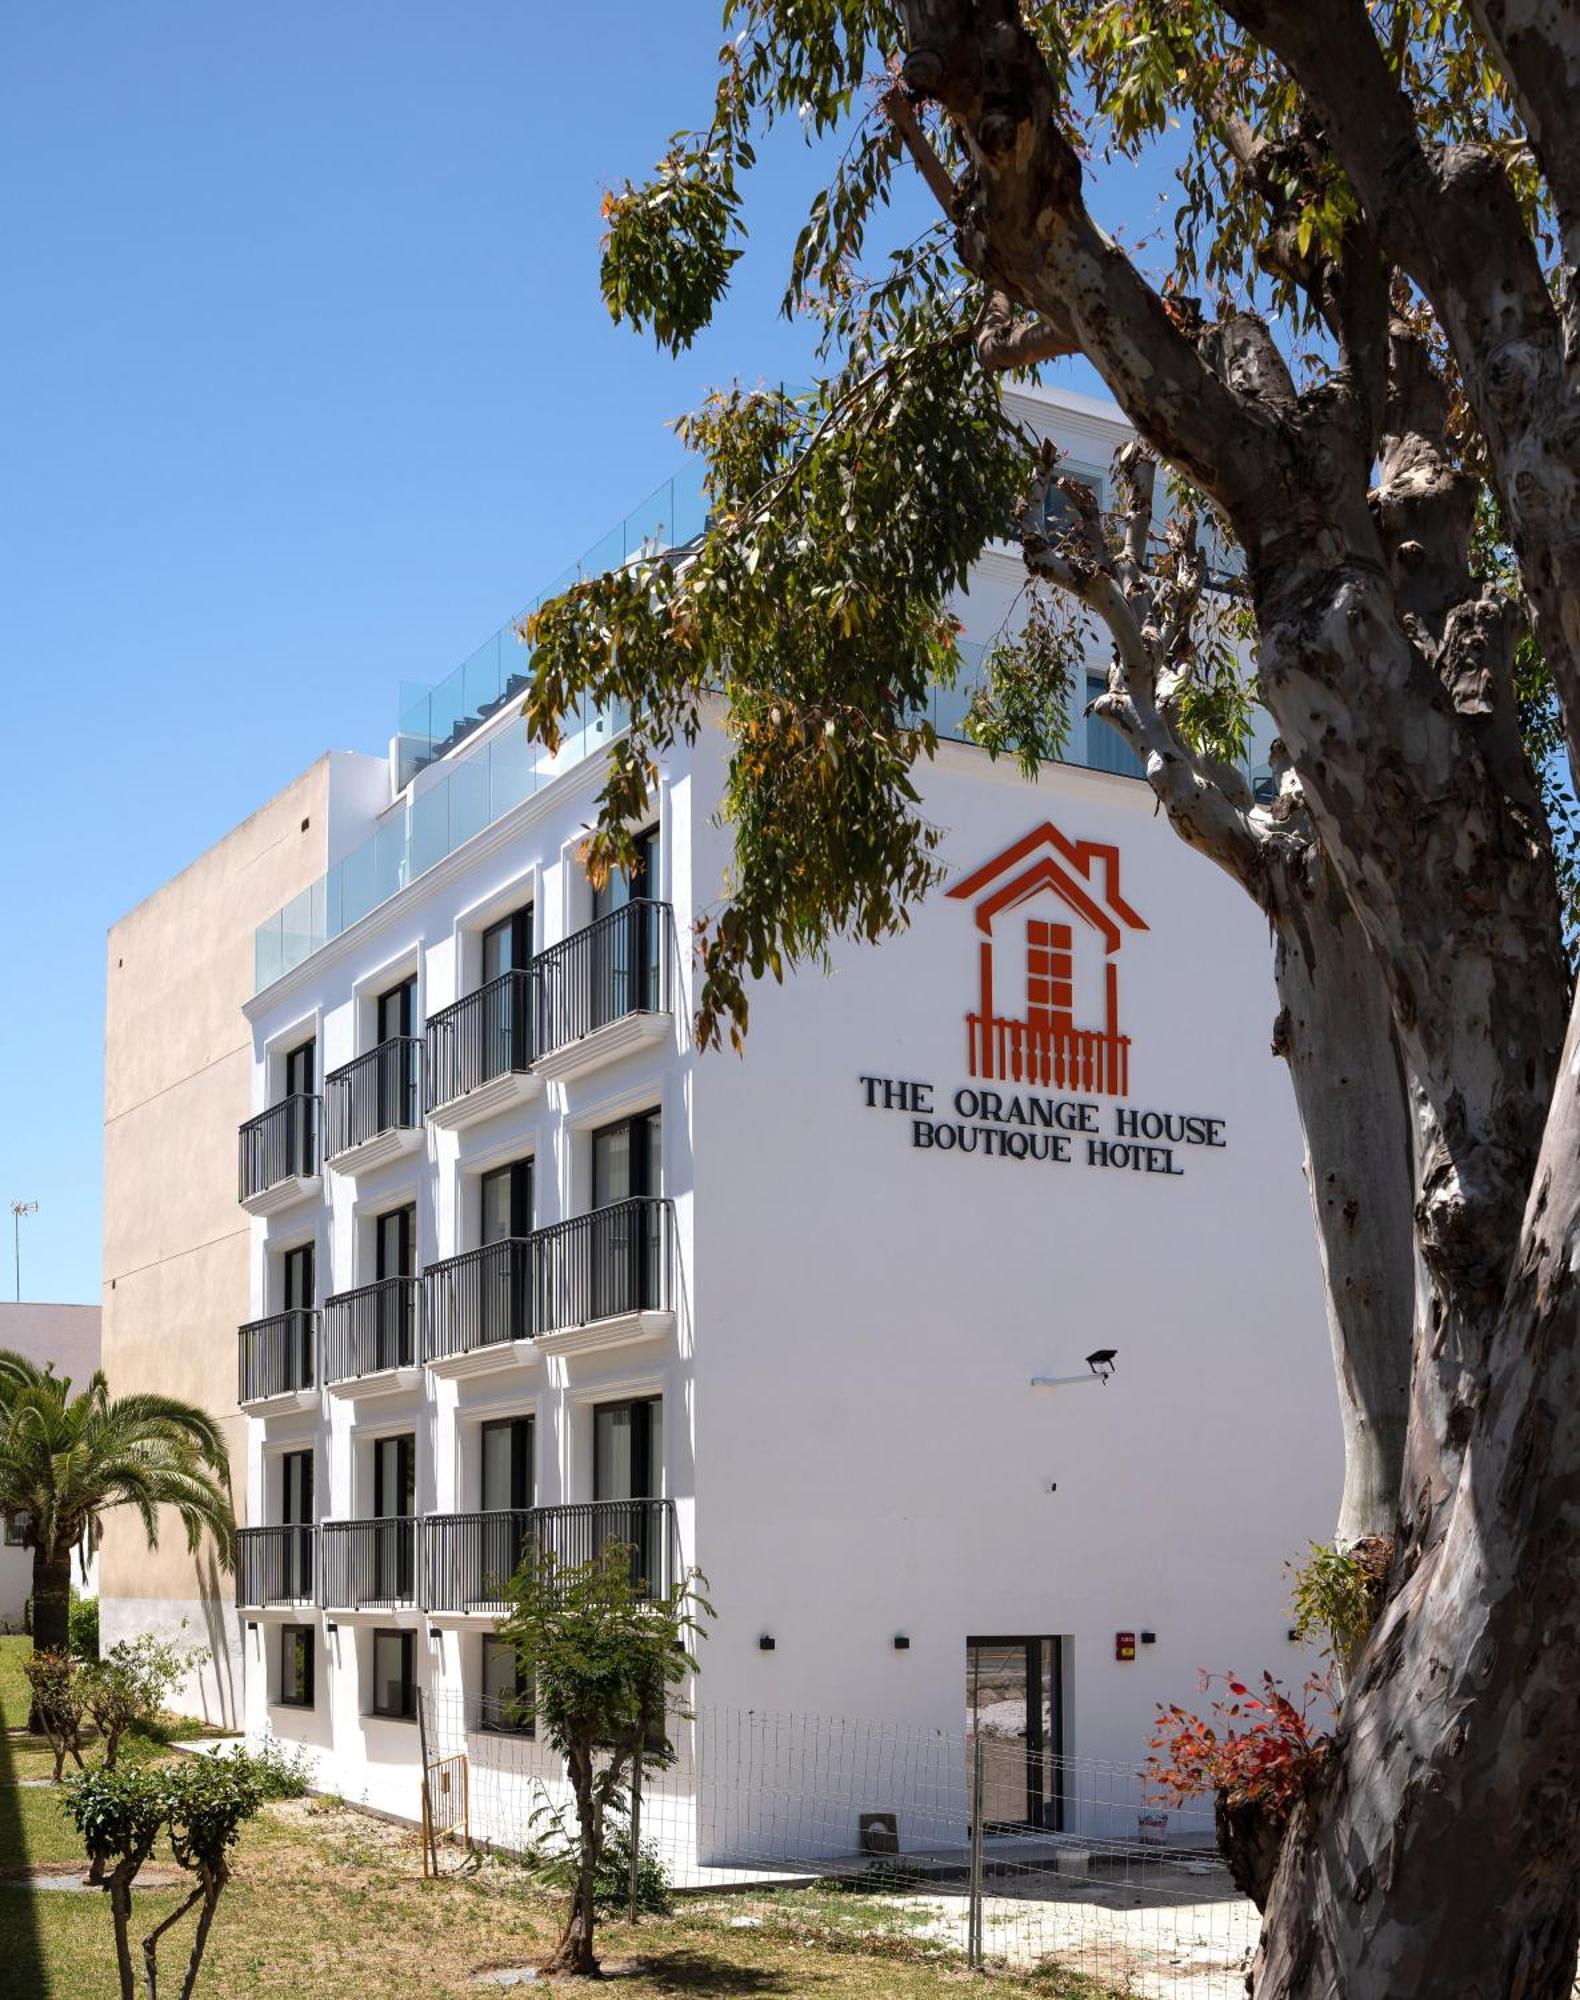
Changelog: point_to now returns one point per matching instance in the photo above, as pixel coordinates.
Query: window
(297, 1279)
(626, 1231)
(296, 1489)
(16, 1531)
(507, 945)
(301, 1073)
(394, 1689)
(507, 1202)
(641, 885)
(394, 1257)
(628, 1449)
(296, 1666)
(507, 1464)
(505, 1690)
(626, 1159)
(397, 1067)
(300, 1068)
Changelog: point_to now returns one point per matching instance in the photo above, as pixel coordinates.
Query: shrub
(555, 1857)
(83, 1626)
(1256, 1764)
(130, 1686)
(200, 1806)
(60, 1703)
(282, 1773)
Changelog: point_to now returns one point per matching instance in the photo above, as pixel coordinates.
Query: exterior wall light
(1099, 1364)
(902, 1642)
(766, 1643)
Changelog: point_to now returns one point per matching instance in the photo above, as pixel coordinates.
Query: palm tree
(65, 1460)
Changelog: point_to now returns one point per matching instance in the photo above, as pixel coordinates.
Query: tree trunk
(1442, 1854)
(574, 1952)
(121, 1918)
(1335, 1030)
(213, 1888)
(51, 1601)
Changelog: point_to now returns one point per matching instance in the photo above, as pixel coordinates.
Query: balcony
(274, 1567)
(602, 1280)
(370, 1339)
(277, 1363)
(481, 1309)
(479, 1052)
(467, 1558)
(606, 991)
(607, 1279)
(374, 1106)
(368, 1565)
(278, 1163)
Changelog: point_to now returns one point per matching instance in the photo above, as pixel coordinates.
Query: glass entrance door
(1014, 1707)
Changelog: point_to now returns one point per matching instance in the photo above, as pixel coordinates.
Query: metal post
(430, 1852)
(974, 1891)
(636, 1834)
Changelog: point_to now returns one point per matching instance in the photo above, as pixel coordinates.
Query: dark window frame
(518, 926)
(527, 1725)
(305, 1635)
(408, 1674)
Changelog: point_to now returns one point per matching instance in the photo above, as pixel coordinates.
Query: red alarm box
(1124, 1645)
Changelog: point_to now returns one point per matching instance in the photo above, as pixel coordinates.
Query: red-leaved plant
(1255, 1759)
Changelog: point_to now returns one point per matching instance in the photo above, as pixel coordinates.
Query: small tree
(600, 1657)
(121, 1813)
(60, 1702)
(130, 1687)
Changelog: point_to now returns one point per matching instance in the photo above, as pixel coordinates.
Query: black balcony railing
(274, 1565)
(619, 1259)
(277, 1356)
(622, 963)
(468, 1558)
(480, 1298)
(376, 1093)
(280, 1144)
(368, 1564)
(487, 1034)
(616, 1260)
(370, 1329)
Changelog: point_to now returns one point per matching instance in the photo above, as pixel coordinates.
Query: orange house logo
(1053, 922)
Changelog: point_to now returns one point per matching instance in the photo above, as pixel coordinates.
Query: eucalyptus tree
(66, 1459)
(1361, 370)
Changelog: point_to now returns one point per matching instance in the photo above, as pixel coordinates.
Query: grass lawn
(327, 1901)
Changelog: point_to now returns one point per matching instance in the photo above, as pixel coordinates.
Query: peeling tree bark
(1335, 1030)
(1439, 1853)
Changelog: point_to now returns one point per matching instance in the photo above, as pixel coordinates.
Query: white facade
(1042, 1123)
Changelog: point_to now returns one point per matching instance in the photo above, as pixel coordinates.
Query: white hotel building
(525, 1265)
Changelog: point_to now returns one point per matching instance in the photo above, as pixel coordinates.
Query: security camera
(1101, 1362)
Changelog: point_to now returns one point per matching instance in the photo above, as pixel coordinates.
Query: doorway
(1014, 1704)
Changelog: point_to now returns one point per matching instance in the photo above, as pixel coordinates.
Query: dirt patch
(73, 1875)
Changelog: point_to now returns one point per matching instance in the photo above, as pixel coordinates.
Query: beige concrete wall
(177, 1084)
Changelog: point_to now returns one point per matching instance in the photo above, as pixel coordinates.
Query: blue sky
(305, 386)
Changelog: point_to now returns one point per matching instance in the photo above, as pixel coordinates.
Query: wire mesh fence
(929, 1833)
